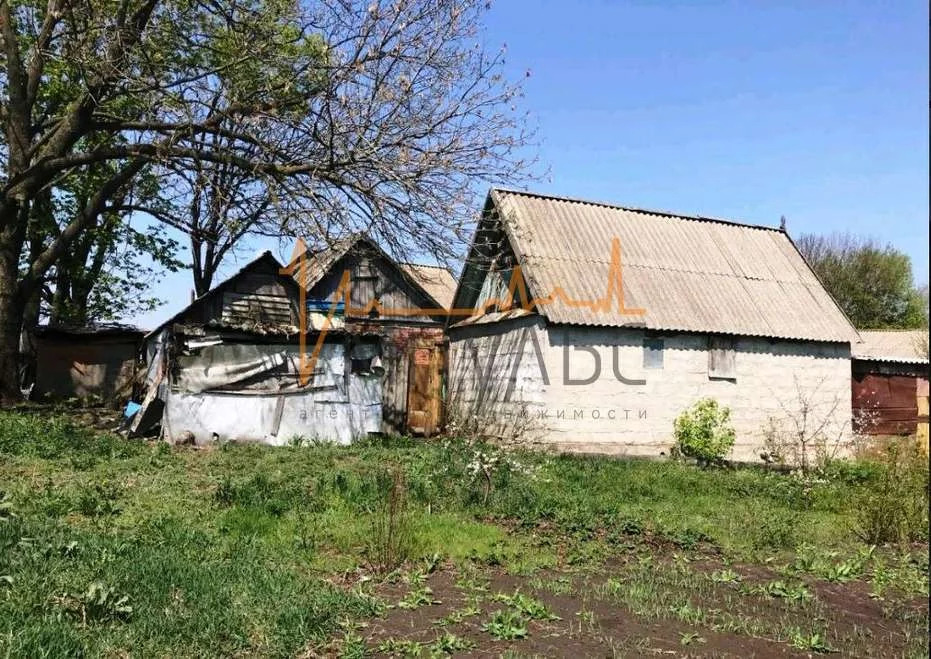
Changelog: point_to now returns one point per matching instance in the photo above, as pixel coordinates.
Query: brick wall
(774, 379)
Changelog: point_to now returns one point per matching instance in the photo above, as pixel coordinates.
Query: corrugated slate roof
(436, 280)
(688, 273)
(906, 346)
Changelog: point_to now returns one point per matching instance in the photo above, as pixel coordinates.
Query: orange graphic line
(515, 285)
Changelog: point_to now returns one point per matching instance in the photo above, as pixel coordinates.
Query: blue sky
(744, 110)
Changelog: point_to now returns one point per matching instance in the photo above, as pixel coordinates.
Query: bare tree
(381, 116)
(811, 430)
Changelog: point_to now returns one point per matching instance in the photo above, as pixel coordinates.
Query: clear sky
(816, 110)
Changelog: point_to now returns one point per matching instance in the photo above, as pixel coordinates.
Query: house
(228, 367)
(591, 326)
(405, 305)
(890, 383)
(91, 362)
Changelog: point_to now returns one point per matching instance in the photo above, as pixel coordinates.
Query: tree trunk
(202, 267)
(28, 349)
(11, 322)
(13, 219)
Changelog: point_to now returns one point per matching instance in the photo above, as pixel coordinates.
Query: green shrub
(894, 504)
(704, 432)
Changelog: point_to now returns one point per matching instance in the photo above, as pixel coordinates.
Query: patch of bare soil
(585, 622)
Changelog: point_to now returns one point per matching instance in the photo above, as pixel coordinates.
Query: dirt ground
(585, 621)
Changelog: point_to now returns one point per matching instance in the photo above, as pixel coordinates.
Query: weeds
(704, 432)
(809, 642)
(232, 550)
(775, 529)
(418, 598)
(99, 500)
(894, 509)
(781, 590)
(450, 643)
(400, 647)
(725, 576)
(391, 540)
(528, 607)
(458, 616)
(96, 604)
(688, 638)
(506, 626)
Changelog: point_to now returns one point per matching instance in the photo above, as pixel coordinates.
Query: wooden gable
(379, 290)
(258, 294)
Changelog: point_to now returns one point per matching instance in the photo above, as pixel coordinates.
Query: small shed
(92, 361)
(229, 367)
(890, 383)
(406, 306)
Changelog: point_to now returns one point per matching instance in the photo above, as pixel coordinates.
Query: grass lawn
(115, 547)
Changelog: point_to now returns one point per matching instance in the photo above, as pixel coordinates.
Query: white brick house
(708, 308)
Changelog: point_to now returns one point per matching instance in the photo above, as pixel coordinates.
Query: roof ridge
(424, 265)
(637, 209)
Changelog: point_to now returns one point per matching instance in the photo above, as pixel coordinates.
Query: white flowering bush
(488, 464)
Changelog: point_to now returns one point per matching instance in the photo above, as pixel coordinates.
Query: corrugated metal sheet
(905, 346)
(686, 273)
(437, 281)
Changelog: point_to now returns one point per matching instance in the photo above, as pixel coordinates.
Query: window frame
(654, 353)
(722, 358)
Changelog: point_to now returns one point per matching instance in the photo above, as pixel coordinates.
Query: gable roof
(435, 282)
(905, 346)
(262, 259)
(688, 273)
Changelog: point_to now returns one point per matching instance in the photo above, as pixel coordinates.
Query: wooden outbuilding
(406, 306)
(89, 362)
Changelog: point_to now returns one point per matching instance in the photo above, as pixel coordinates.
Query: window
(653, 353)
(722, 358)
(364, 359)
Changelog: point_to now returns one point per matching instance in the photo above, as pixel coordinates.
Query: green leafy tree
(872, 283)
(109, 269)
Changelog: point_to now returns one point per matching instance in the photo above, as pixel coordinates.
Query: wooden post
(922, 428)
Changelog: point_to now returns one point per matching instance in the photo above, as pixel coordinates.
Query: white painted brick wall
(773, 378)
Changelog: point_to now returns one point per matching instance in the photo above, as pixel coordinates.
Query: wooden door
(425, 388)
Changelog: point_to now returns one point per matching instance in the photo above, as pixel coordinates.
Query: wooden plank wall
(396, 360)
(258, 295)
(398, 345)
(372, 278)
(86, 366)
